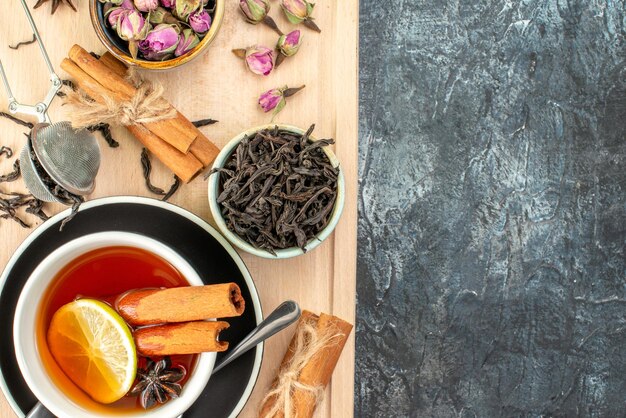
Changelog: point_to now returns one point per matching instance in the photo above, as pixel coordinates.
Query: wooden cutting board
(218, 86)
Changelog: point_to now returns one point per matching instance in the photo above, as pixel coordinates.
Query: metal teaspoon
(284, 315)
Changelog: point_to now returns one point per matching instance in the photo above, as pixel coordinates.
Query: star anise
(158, 382)
(56, 4)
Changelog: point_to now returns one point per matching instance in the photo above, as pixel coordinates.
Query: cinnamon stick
(315, 374)
(186, 338)
(81, 79)
(173, 131)
(202, 148)
(181, 304)
(115, 65)
(185, 166)
(120, 69)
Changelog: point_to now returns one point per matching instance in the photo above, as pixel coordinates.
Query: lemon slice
(95, 348)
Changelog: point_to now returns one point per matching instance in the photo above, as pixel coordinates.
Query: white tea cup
(27, 314)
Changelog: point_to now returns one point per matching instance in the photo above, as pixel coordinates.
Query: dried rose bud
(132, 27)
(200, 21)
(274, 99)
(114, 2)
(162, 15)
(184, 8)
(254, 10)
(186, 42)
(289, 44)
(259, 59)
(113, 15)
(168, 3)
(146, 5)
(160, 43)
(298, 11)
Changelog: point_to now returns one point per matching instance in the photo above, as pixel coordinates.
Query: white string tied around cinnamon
(145, 106)
(308, 343)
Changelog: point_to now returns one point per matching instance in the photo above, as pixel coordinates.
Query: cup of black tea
(98, 267)
(275, 191)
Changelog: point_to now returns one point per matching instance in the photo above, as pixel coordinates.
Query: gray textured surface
(492, 230)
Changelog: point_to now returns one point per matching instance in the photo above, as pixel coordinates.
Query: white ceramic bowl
(235, 239)
(26, 314)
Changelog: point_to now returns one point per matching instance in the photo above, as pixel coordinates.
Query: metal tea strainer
(55, 154)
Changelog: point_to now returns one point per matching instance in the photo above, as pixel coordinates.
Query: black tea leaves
(278, 189)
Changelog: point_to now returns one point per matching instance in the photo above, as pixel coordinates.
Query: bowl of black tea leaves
(276, 191)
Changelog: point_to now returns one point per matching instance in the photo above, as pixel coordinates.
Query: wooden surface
(217, 85)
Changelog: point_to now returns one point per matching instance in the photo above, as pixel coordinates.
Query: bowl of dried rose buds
(156, 34)
(276, 191)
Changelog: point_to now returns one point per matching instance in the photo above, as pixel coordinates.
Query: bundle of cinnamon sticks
(176, 141)
(307, 367)
(173, 321)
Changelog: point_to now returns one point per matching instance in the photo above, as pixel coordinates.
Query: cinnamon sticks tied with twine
(307, 367)
(108, 92)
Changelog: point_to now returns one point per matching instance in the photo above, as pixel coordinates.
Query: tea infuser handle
(7, 87)
(29, 16)
(40, 411)
(39, 110)
(284, 315)
(42, 107)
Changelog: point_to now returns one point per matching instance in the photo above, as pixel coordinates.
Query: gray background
(491, 278)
